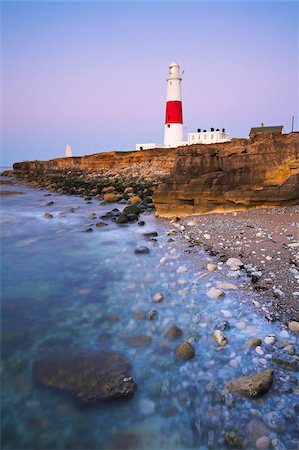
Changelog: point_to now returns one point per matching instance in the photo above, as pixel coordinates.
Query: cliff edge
(237, 175)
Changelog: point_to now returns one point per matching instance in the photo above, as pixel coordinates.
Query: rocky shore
(267, 243)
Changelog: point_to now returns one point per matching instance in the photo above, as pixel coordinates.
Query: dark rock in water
(141, 250)
(88, 230)
(173, 333)
(152, 315)
(141, 223)
(116, 212)
(11, 193)
(101, 224)
(47, 216)
(88, 199)
(223, 325)
(286, 360)
(150, 234)
(184, 351)
(132, 217)
(123, 218)
(132, 209)
(251, 386)
(49, 203)
(139, 341)
(233, 439)
(127, 440)
(90, 376)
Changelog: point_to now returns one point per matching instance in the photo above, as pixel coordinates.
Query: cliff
(242, 174)
(238, 175)
(147, 164)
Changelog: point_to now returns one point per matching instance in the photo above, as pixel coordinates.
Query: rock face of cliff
(238, 175)
(147, 164)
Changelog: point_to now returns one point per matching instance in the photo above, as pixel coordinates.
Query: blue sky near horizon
(92, 74)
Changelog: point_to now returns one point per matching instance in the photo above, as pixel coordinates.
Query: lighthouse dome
(174, 63)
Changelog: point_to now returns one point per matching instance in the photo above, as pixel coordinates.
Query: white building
(208, 137)
(148, 146)
(68, 151)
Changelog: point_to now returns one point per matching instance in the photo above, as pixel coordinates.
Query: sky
(93, 74)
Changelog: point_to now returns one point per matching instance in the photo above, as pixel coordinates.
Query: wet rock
(163, 260)
(254, 342)
(111, 197)
(152, 315)
(89, 376)
(255, 430)
(290, 348)
(229, 286)
(150, 234)
(185, 351)
(126, 440)
(294, 326)
(49, 203)
(215, 293)
(141, 250)
(270, 340)
(132, 209)
(158, 298)
(141, 341)
(122, 218)
(101, 224)
(88, 230)
(277, 445)
(132, 217)
(141, 223)
(286, 360)
(275, 421)
(251, 386)
(139, 315)
(263, 443)
(47, 216)
(108, 189)
(211, 267)
(224, 325)
(147, 407)
(233, 439)
(220, 338)
(173, 333)
(135, 199)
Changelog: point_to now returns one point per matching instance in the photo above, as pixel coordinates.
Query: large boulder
(251, 386)
(89, 376)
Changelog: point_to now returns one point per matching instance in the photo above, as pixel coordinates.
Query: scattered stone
(226, 314)
(181, 269)
(286, 360)
(152, 315)
(111, 197)
(135, 199)
(227, 286)
(158, 297)
(101, 224)
(259, 350)
(234, 263)
(224, 325)
(211, 267)
(122, 218)
(173, 333)
(49, 203)
(207, 236)
(147, 407)
(132, 209)
(233, 439)
(254, 342)
(108, 189)
(163, 260)
(290, 349)
(220, 338)
(215, 293)
(263, 443)
(171, 232)
(150, 234)
(141, 341)
(89, 376)
(48, 216)
(251, 386)
(294, 326)
(270, 340)
(185, 351)
(141, 250)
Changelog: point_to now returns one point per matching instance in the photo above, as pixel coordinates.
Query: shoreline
(265, 240)
(267, 243)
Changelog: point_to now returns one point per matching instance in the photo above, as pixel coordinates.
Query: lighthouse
(173, 132)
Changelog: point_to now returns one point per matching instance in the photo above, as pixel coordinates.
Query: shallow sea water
(65, 288)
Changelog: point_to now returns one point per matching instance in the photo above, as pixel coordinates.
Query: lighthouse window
(168, 125)
(170, 82)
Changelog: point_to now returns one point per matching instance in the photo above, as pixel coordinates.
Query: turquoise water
(64, 288)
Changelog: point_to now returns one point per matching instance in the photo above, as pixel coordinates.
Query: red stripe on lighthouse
(174, 112)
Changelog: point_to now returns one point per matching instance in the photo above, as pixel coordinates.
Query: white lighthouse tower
(173, 133)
